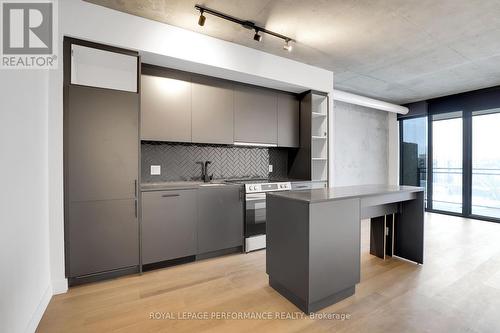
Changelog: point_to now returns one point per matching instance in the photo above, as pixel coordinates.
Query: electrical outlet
(155, 170)
(270, 168)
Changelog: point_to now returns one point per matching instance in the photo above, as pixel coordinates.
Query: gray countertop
(182, 185)
(344, 192)
(188, 185)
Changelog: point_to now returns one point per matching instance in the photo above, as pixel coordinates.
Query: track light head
(202, 19)
(288, 46)
(257, 37)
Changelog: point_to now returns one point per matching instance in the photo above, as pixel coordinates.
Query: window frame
(467, 114)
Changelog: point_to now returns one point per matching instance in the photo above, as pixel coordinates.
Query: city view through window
(447, 160)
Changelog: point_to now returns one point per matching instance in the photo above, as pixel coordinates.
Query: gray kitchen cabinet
(101, 170)
(255, 115)
(104, 236)
(168, 225)
(102, 140)
(165, 106)
(220, 218)
(212, 111)
(288, 120)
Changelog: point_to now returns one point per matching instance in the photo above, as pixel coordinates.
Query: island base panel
(306, 307)
(377, 236)
(409, 230)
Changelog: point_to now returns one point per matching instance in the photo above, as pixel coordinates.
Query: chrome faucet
(204, 171)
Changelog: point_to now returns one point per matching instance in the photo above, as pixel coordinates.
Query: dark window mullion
(401, 166)
(429, 162)
(467, 163)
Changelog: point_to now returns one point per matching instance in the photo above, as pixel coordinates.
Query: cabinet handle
(304, 186)
(135, 208)
(135, 188)
(170, 195)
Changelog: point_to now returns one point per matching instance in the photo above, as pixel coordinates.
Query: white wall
(165, 45)
(25, 288)
(361, 145)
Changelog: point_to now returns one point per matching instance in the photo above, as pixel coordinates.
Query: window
(414, 153)
(450, 146)
(486, 163)
(447, 162)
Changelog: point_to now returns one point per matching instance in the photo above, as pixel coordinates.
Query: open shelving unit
(311, 161)
(319, 136)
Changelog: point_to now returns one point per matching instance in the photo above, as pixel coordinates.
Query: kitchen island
(313, 238)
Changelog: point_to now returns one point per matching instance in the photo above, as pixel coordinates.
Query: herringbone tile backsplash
(178, 161)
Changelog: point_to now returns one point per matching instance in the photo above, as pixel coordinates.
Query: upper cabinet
(212, 111)
(255, 115)
(288, 120)
(103, 69)
(182, 107)
(165, 106)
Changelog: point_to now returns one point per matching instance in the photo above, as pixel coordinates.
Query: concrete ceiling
(395, 50)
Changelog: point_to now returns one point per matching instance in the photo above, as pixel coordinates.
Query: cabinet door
(102, 141)
(105, 69)
(165, 108)
(220, 218)
(212, 111)
(101, 166)
(103, 235)
(255, 115)
(168, 225)
(288, 121)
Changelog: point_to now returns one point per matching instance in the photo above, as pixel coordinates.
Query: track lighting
(257, 37)
(245, 24)
(201, 20)
(287, 46)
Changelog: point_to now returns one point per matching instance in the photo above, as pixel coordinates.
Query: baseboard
(42, 306)
(59, 286)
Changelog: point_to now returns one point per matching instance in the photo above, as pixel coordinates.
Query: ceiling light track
(245, 24)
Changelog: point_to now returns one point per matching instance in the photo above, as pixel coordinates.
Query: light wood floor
(456, 290)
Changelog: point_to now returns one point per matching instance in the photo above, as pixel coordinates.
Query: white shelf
(319, 170)
(319, 149)
(319, 104)
(319, 158)
(320, 180)
(315, 137)
(317, 114)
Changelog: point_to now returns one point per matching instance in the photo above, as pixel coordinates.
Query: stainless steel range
(255, 209)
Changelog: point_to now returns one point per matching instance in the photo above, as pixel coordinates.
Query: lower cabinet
(220, 218)
(181, 223)
(168, 225)
(102, 236)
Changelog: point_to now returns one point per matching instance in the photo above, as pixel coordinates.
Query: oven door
(255, 214)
